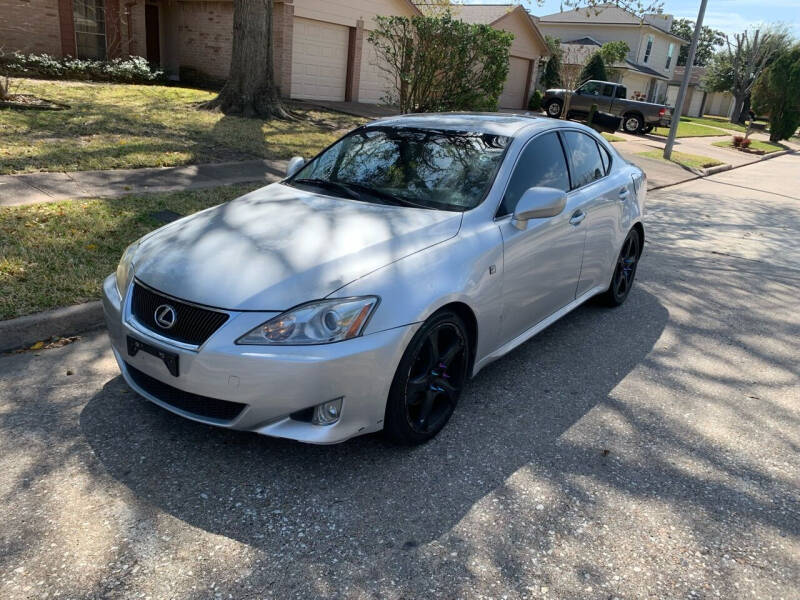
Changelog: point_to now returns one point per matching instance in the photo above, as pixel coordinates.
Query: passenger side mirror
(538, 203)
(295, 164)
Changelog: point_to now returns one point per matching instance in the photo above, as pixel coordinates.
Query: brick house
(321, 48)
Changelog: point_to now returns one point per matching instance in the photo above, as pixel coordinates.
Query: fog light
(328, 412)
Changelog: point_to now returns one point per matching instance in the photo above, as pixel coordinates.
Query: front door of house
(151, 27)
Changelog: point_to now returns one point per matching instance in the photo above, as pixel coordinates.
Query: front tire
(553, 108)
(428, 381)
(632, 124)
(624, 270)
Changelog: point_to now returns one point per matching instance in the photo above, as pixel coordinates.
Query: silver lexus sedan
(364, 290)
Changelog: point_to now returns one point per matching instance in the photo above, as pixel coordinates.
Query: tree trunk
(737, 108)
(250, 90)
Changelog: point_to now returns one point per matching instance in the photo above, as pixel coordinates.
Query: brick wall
(205, 33)
(30, 26)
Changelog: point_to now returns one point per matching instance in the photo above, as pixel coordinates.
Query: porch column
(355, 47)
(282, 35)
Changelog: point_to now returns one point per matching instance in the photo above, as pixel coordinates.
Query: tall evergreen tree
(594, 68)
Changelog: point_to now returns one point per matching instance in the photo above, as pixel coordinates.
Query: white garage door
(672, 95)
(319, 60)
(514, 93)
(695, 105)
(373, 83)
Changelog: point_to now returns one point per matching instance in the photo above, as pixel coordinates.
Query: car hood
(280, 246)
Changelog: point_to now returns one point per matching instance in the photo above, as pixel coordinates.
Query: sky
(729, 16)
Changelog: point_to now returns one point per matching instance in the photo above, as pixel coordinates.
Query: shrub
(737, 141)
(441, 63)
(124, 70)
(535, 103)
(746, 143)
(594, 68)
(777, 92)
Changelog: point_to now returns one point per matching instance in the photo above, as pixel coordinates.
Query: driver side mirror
(538, 203)
(295, 164)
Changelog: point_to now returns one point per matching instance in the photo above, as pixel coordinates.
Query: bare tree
(573, 58)
(736, 68)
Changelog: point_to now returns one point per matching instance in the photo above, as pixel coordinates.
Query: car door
(601, 197)
(541, 263)
(592, 92)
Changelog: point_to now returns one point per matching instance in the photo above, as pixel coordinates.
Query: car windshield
(425, 168)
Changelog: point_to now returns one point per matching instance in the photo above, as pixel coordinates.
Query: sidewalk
(31, 188)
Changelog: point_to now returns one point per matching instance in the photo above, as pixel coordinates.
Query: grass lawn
(687, 129)
(612, 138)
(693, 161)
(58, 253)
(767, 147)
(112, 126)
(718, 122)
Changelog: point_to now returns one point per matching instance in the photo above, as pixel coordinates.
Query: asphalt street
(650, 451)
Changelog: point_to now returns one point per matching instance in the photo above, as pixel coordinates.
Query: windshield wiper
(330, 185)
(385, 196)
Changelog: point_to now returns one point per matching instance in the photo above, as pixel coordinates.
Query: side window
(592, 88)
(622, 92)
(585, 162)
(541, 164)
(608, 90)
(604, 156)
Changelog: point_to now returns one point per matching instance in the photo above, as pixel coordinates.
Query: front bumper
(272, 381)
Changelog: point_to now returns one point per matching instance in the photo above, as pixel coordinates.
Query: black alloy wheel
(429, 380)
(625, 270)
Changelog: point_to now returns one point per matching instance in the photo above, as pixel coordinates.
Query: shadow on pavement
(267, 492)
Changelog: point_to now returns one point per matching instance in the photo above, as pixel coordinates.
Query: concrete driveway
(652, 451)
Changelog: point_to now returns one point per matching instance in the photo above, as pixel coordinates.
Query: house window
(649, 48)
(90, 28)
(669, 56)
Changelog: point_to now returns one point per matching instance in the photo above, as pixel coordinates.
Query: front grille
(193, 325)
(202, 406)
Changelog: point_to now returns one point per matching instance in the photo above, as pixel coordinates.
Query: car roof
(506, 124)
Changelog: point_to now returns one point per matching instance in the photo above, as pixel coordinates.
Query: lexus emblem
(165, 316)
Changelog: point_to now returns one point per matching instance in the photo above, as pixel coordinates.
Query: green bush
(777, 92)
(439, 63)
(594, 68)
(43, 66)
(535, 103)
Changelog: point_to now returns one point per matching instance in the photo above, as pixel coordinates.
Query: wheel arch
(640, 228)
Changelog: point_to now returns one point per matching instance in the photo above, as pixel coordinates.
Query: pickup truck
(637, 117)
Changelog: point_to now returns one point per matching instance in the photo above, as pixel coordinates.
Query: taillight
(662, 112)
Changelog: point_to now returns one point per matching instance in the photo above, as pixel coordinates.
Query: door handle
(623, 193)
(577, 217)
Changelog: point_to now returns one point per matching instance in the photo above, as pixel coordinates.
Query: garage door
(319, 60)
(373, 82)
(514, 93)
(672, 95)
(696, 103)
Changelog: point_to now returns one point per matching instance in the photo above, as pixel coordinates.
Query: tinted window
(622, 92)
(541, 164)
(584, 158)
(430, 168)
(605, 158)
(593, 88)
(608, 90)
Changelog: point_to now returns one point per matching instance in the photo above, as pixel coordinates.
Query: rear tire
(632, 124)
(553, 108)
(624, 271)
(648, 128)
(429, 379)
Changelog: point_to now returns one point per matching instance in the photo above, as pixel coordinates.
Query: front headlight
(125, 269)
(320, 322)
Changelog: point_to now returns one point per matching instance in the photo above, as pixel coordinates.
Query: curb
(714, 170)
(23, 331)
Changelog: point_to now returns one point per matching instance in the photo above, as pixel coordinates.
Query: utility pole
(687, 73)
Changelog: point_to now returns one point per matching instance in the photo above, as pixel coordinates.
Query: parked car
(637, 117)
(363, 291)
